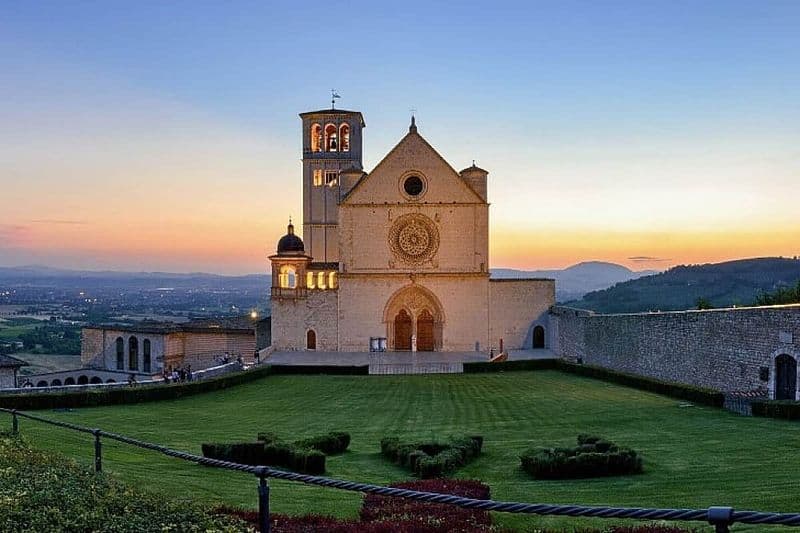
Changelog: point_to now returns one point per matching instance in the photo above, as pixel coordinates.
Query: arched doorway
(414, 311)
(425, 331)
(402, 330)
(69, 381)
(311, 340)
(538, 337)
(785, 377)
(95, 380)
(83, 380)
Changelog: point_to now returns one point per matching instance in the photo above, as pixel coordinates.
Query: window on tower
(287, 279)
(317, 177)
(331, 143)
(316, 138)
(331, 177)
(344, 138)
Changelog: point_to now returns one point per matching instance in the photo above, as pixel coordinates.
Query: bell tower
(331, 145)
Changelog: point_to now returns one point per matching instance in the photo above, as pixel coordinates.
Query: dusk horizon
(647, 136)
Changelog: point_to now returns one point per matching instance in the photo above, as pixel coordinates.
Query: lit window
(332, 280)
(287, 278)
(321, 280)
(310, 280)
(331, 144)
(331, 177)
(317, 178)
(344, 138)
(316, 138)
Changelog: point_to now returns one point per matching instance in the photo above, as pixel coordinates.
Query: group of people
(177, 375)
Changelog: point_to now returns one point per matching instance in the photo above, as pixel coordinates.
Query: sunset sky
(165, 136)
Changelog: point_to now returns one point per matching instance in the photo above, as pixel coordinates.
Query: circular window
(413, 185)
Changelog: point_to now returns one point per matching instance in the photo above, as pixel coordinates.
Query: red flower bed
(430, 517)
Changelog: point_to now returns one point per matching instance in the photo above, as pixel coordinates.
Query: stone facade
(8, 378)
(149, 348)
(411, 265)
(731, 350)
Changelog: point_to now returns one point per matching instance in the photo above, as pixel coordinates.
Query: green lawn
(694, 456)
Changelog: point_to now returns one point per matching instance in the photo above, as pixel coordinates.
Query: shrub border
(127, 395)
(784, 409)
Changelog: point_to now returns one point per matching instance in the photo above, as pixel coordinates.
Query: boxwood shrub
(306, 456)
(432, 459)
(787, 409)
(592, 457)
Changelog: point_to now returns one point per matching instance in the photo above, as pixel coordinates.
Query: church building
(396, 259)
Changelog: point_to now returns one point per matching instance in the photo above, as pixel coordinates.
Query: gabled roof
(6, 361)
(412, 134)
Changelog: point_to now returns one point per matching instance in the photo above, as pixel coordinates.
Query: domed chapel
(396, 259)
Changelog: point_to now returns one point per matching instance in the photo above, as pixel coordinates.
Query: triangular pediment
(413, 155)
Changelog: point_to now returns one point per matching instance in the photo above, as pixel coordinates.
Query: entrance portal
(538, 337)
(425, 331)
(785, 377)
(402, 331)
(311, 340)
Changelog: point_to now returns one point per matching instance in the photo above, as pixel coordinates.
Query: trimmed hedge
(786, 409)
(691, 393)
(331, 370)
(306, 455)
(123, 395)
(432, 459)
(510, 366)
(330, 444)
(592, 457)
(304, 460)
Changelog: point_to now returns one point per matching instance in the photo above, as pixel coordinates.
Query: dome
(290, 243)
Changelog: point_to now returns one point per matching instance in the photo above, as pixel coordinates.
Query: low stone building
(9, 367)
(150, 347)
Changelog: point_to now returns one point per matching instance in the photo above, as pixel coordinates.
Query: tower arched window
(331, 141)
(133, 353)
(316, 138)
(287, 279)
(344, 137)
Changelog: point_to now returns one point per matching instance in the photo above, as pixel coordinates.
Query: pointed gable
(413, 155)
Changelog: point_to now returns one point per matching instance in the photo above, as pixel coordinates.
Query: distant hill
(575, 281)
(36, 275)
(721, 284)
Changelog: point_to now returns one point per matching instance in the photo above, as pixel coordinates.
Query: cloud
(60, 222)
(648, 259)
(13, 234)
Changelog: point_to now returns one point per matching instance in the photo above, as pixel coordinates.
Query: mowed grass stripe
(694, 456)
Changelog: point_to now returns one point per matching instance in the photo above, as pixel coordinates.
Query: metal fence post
(14, 422)
(721, 518)
(98, 452)
(263, 503)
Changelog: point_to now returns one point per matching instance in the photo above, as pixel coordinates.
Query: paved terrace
(398, 362)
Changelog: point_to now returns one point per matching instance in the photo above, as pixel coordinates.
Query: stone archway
(414, 311)
(785, 377)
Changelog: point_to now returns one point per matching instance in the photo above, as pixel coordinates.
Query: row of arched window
(287, 279)
(330, 138)
(82, 380)
(133, 354)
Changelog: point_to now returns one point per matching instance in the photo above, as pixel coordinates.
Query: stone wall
(8, 377)
(725, 349)
(204, 350)
(293, 318)
(516, 306)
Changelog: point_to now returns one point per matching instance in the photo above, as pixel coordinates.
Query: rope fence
(720, 517)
